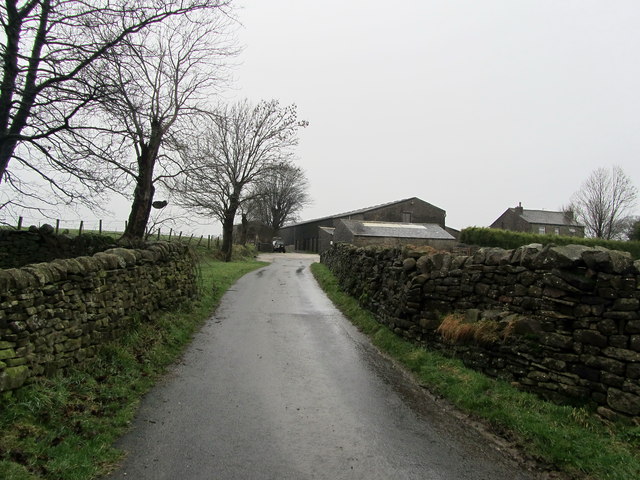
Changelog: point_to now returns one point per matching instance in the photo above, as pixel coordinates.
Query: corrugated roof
(547, 217)
(397, 230)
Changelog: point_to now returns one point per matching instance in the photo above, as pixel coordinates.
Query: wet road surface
(278, 385)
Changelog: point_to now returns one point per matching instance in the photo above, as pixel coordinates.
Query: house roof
(397, 230)
(359, 211)
(547, 217)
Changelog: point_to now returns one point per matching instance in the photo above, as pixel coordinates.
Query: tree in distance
(278, 197)
(633, 232)
(47, 48)
(604, 202)
(239, 146)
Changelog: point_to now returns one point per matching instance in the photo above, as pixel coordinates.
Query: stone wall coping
(39, 274)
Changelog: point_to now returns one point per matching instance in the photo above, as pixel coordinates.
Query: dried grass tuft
(454, 330)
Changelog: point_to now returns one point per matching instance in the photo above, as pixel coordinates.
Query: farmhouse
(539, 221)
(317, 235)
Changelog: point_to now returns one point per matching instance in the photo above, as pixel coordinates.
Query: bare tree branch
(47, 48)
(604, 201)
(240, 145)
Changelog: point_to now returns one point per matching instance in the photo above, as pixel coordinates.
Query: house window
(542, 230)
(406, 217)
(556, 231)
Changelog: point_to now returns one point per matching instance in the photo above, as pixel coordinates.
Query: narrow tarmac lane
(279, 385)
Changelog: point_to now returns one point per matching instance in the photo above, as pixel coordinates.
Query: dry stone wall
(561, 321)
(35, 245)
(56, 314)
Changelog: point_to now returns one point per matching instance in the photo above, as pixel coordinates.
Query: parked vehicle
(278, 246)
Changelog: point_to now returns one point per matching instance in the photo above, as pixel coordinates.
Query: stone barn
(317, 235)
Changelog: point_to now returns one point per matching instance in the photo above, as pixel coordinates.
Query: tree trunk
(143, 193)
(244, 230)
(12, 126)
(140, 208)
(227, 228)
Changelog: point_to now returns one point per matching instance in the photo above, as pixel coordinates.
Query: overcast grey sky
(472, 106)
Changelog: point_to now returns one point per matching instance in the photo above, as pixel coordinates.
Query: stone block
(590, 337)
(608, 327)
(612, 380)
(13, 377)
(626, 304)
(609, 261)
(623, 401)
(409, 264)
(604, 363)
(7, 353)
(566, 256)
(619, 341)
(591, 374)
(556, 340)
(622, 354)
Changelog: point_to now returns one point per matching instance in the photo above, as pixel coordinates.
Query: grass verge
(571, 439)
(64, 427)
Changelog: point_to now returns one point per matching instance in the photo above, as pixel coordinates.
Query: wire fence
(114, 228)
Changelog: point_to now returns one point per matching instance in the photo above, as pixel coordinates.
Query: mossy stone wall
(561, 321)
(57, 314)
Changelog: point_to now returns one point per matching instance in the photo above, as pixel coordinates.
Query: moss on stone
(13, 377)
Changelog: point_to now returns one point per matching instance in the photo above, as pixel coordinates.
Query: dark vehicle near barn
(278, 246)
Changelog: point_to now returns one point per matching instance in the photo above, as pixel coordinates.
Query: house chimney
(569, 215)
(519, 209)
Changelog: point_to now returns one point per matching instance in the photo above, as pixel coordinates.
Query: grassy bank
(573, 440)
(64, 427)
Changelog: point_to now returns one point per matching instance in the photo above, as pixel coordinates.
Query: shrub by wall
(56, 314)
(560, 321)
(491, 237)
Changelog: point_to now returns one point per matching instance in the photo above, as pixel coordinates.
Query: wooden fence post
(81, 227)
(158, 234)
(57, 225)
(19, 223)
(100, 227)
(170, 232)
(199, 241)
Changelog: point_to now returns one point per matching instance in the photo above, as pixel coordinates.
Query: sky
(473, 106)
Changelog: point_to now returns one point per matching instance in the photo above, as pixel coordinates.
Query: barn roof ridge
(358, 211)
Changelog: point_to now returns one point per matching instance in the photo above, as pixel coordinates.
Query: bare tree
(240, 145)
(157, 82)
(604, 201)
(279, 196)
(47, 46)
